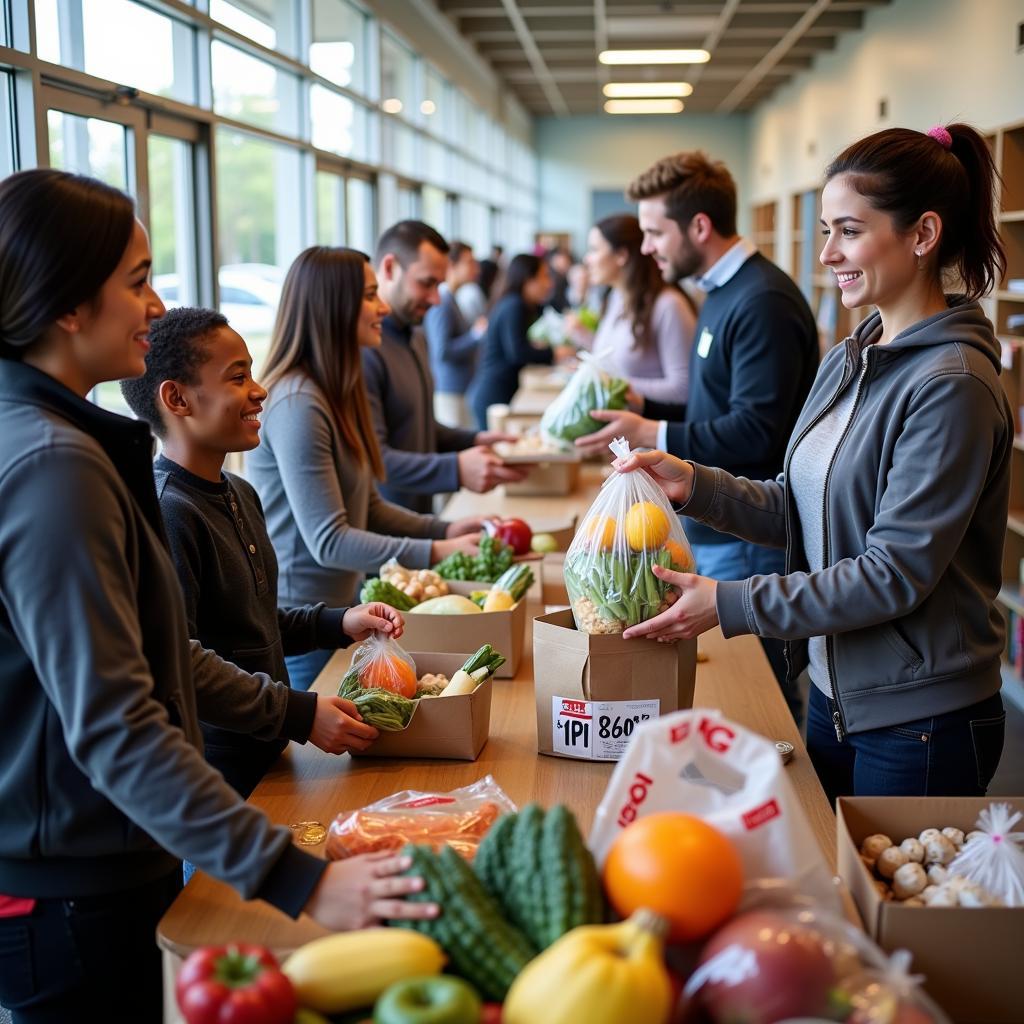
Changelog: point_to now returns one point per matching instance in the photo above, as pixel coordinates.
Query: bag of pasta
(628, 529)
(381, 682)
(590, 387)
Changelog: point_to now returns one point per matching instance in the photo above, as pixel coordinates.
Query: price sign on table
(597, 730)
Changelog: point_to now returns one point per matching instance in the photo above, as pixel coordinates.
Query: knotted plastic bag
(381, 682)
(628, 529)
(590, 387)
(993, 856)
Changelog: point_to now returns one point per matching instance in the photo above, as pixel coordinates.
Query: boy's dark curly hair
(176, 351)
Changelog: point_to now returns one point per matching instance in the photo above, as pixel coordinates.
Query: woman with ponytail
(646, 329)
(893, 500)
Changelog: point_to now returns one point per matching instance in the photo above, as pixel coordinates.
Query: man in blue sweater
(753, 362)
(422, 457)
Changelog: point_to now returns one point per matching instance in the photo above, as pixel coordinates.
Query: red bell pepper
(235, 984)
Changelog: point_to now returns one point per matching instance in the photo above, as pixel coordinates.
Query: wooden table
(308, 785)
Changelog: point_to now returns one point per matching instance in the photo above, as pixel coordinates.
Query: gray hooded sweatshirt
(914, 505)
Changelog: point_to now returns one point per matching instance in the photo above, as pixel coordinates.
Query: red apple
(516, 534)
(764, 967)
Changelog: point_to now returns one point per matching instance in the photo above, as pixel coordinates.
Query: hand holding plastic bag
(381, 682)
(589, 388)
(608, 568)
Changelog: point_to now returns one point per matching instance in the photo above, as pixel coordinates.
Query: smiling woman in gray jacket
(893, 499)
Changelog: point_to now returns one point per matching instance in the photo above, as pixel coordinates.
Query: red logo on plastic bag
(637, 795)
(716, 737)
(761, 815)
(427, 801)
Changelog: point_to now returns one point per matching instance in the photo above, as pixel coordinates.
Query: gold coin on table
(309, 833)
(785, 750)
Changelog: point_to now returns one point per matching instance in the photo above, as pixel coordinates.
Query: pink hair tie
(941, 136)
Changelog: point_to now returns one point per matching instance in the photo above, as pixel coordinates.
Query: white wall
(934, 61)
(579, 154)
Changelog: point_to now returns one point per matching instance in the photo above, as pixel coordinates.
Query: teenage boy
(422, 457)
(199, 397)
(753, 362)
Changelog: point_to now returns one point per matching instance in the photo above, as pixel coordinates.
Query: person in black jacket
(103, 786)
(506, 349)
(753, 362)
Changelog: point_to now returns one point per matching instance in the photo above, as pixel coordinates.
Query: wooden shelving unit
(1004, 303)
(764, 234)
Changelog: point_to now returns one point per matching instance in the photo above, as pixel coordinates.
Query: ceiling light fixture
(392, 105)
(632, 90)
(643, 106)
(654, 56)
(428, 107)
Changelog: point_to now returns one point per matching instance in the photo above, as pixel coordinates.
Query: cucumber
(483, 947)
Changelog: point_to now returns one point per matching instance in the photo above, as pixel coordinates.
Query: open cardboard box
(581, 679)
(443, 634)
(451, 727)
(970, 956)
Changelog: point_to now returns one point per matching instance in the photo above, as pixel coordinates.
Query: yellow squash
(597, 974)
(349, 970)
(498, 601)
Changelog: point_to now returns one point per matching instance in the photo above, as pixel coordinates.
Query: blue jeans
(739, 560)
(304, 668)
(955, 754)
(94, 958)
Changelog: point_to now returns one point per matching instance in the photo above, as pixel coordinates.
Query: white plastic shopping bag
(700, 763)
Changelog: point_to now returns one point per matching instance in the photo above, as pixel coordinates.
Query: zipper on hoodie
(838, 719)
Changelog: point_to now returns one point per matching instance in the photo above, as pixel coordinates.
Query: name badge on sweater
(704, 343)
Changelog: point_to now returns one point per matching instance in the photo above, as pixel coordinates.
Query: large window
(259, 220)
(8, 162)
(89, 145)
(339, 49)
(248, 89)
(118, 40)
(272, 23)
(246, 130)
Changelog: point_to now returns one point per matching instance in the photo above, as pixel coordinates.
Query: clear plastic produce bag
(459, 819)
(381, 682)
(608, 568)
(590, 387)
(782, 958)
(993, 855)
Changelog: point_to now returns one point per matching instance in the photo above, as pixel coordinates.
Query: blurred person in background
(506, 348)
(559, 261)
(422, 458)
(452, 342)
(474, 297)
(646, 329)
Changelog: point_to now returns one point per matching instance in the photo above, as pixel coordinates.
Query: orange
(647, 526)
(678, 866)
(681, 561)
(389, 673)
(600, 532)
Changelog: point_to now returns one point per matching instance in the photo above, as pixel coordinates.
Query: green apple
(438, 999)
(543, 543)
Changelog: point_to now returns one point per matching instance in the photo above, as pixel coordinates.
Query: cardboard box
(456, 727)
(592, 690)
(548, 477)
(504, 631)
(969, 956)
